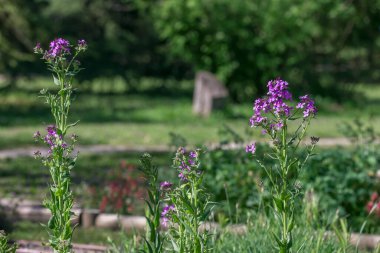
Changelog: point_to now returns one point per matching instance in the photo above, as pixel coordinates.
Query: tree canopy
(315, 44)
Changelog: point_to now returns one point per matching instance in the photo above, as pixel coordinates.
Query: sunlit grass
(147, 118)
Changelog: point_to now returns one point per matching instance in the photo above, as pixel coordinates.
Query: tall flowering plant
(188, 205)
(274, 114)
(61, 59)
(153, 240)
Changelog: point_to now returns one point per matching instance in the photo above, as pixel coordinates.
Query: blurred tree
(15, 35)
(122, 40)
(246, 43)
(314, 44)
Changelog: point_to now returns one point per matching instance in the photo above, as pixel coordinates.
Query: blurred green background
(321, 46)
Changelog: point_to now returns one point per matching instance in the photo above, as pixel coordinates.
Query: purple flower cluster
(251, 148)
(187, 163)
(82, 45)
(275, 103)
(166, 185)
(58, 47)
(308, 106)
(52, 139)
(165, 214)
(52, 136)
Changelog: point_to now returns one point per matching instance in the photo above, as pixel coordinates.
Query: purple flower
(277, 126)
(186, 163)
(275, 102)
(193, 154)
(251, 148)
(167, 209)
(58, 47)
(166, 185)
(257, 119)
(182, 176)
(52, 138)
(165, 214)
(37, 49)
(308, 105)
(181, 150)
(82, 43)
(165, 222)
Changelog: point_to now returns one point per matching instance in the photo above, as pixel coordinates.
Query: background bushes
(322, 46)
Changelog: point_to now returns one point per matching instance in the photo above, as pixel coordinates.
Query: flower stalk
(189, 208)
(61, 61)
(273, 114)
(153, 239)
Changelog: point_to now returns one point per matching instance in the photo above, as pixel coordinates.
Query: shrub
(247, 42)
(124, 190)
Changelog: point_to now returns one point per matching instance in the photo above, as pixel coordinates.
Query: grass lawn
(147, 118)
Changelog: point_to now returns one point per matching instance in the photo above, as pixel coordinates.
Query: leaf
(56, 80)
(279, 204)
(148, 245)
(72, 124)
(277, 240)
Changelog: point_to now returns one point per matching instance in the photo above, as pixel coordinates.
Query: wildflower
(165, 214)
(277, 126)
(274, 102)
(277, 94)
(308, 105)
(82, 43)
(58, 47)
(166, 185)
(251, 148)
(193, 154)
(181, 150)
(37, 49)
(182, 176)
(52, 137)
(272, 113)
